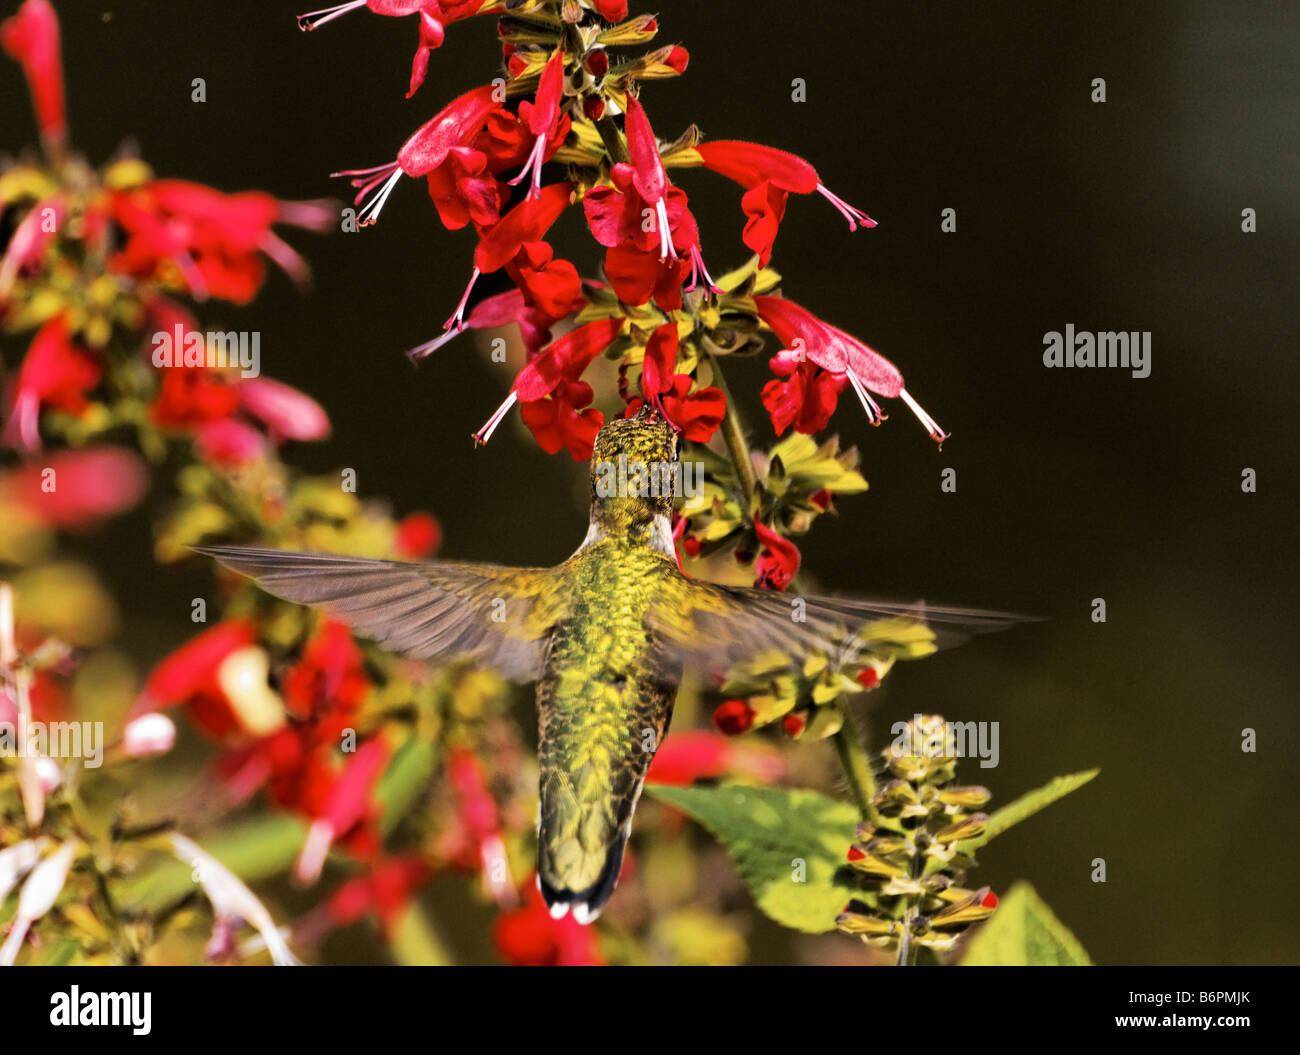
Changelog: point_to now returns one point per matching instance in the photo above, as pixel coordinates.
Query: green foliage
(1027, 805)
(768, 831)
(1024, 932)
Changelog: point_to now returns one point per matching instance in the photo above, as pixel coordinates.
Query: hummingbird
(606, 636)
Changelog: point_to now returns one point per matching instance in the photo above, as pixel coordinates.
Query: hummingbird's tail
(580, 844)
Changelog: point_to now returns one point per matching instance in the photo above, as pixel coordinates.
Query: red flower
(695, 415)
(328, 679)
(733, 717)
(687, 757)
(55, 374)
(383, 893)
(807, 396)
(229, 443)
(769, 177)
(464, 191)
(477, 842)
(348, 805)
(501, 310)
(778, 560)
(418, 536)
(529, 937)
(843, 356)
(27, 244)
(455, 125)
(435, 16)
(640, 213)
(543, 118)
(216, 240)
(287, 413)
(32, 38)
(191, 396)
(189, 675)
(75, 489)
(553, 394)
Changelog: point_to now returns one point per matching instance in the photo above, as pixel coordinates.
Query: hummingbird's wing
(715, 626)
(494, 615)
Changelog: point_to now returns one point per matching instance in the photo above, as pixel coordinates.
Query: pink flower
(286, 412)
(76, 489)
(32, 38)
(27, 246)
(150, 734)
(229, 443)
(544, 120)
(843, 356)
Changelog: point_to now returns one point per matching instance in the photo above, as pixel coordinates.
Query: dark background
(1072, 484)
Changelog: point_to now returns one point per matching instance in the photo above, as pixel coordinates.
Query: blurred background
(1071, 484)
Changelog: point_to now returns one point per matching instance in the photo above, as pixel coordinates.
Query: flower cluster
(910, 858)
(567, 98)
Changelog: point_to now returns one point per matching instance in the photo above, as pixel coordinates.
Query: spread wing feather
(716, 626)
(492, 615)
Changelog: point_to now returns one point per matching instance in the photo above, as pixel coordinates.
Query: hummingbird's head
(634, 471)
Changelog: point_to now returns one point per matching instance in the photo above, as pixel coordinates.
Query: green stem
(734, 437)
(857, 772)
(613, 140)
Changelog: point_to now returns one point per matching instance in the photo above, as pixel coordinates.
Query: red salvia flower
(843, 356)
(32, 38)
(383, 893)
(805, 398)
(733, 717)
(529, 937)
(769, 176)
(55, 374)
(30, 238)
(455, 125)
(348, 804)
(93, 483)
(543, 119)
(418, 536)
(696, 415)
(778, 559)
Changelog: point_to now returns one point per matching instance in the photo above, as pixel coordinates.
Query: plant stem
(857, 772)
(849, 747)
(734, 437)
(613, 140)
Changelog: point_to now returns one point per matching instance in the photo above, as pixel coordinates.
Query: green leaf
(403, 781)
(1026, 806)
(416, 942)
(768, 831)
(1024, 933)
(254, 850)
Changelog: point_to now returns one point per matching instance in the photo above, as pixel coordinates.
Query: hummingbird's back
(604, 701)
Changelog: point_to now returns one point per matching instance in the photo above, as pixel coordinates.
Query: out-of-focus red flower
(383, 893)
(528, 937)
(27, 244)
(32, 38)
(76, 489)
(476, 843)
(286, 412)
(228, 443)
(418, 536)
(215, 240)
(190, 675)
(804, 395)
(778, 559)
(348, 805)
(189, 396)
(328, 679)
(842, 355)
(700, 755)
(56, 373)
(733, 717)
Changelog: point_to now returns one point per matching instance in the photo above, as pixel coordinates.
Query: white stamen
(931, 426)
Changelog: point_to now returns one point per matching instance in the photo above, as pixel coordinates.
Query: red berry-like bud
(793, 724)
(597, 63)
(691, 545)
(516, 65)
(990, 900)
(868, 678)
(822, 499)
(594, 108)
(678, 58)
(855, 854)
(733, 717)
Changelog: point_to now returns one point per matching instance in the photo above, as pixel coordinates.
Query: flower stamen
(853, 215)
(457, 319)
(490, 426)
(931, 426)
(315, 19)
